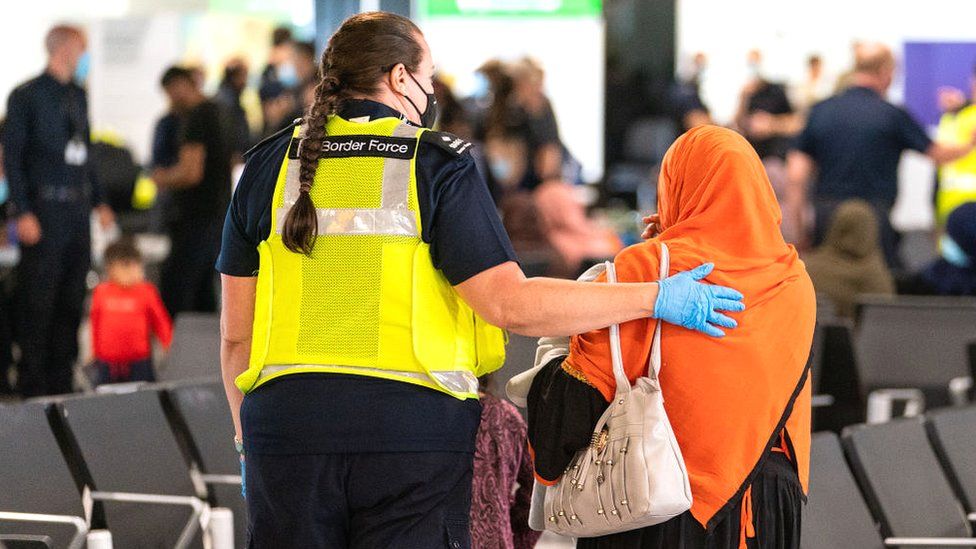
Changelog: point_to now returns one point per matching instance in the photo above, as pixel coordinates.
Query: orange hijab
(728, 399)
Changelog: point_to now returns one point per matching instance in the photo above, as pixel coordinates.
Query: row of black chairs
(906, 483)
(904, 353)
(149, 465)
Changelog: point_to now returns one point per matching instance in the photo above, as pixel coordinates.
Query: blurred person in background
(125, 312)
(501, 490)
(547, 152)
(228, 97)
(306, 66)
(814, 88)
(853, 143)
(954, 273)
(281, 60)
(957, 179)
(686, 105)
(6, 281)
(452, 116)
(765, 116)
(850, 262)
(198, 188)
(278, 107)
(54, 191)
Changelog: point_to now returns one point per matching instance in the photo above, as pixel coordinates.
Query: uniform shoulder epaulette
(289, 129)
(447, 141)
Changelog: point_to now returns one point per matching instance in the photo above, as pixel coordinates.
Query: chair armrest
(940, 542)
(221, 479)
(33, 539)
(822, 401)
(81, 526)
(881, 401)
(959, 389)
(199, 517)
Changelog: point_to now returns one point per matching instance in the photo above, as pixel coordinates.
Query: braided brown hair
(365, 47)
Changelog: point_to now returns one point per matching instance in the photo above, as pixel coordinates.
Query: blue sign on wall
(930, 66)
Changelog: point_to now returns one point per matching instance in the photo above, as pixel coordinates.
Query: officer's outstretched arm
(539, 307)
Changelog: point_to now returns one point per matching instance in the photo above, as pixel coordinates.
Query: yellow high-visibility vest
(368, 301)
(957, 179)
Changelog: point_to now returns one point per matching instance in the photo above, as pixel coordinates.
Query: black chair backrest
(953, 435)
(837, 377)
(835, 516)
(127, 443)
(195, 354)
(203, 411)
(34, 475)
(914, 342)
(903, 482)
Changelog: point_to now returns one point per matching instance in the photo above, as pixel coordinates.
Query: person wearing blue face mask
(54, 191)
(954, 273)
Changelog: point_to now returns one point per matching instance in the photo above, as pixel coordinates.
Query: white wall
(128, 57)
(570, 49)
(787, 31)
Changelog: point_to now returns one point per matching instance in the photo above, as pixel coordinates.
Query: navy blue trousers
(416, 500)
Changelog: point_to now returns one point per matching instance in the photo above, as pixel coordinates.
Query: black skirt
(777, 498)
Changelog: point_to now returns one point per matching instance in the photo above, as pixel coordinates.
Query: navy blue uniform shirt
(322, 413)
(43, 115)
(856, 138)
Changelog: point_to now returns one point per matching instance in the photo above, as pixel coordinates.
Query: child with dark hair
(125, 311)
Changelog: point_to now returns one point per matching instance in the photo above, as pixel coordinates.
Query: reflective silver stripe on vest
(393, 217)
(461, 382)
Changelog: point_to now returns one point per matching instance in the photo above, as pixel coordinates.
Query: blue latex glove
(683, 300)
(243, 479)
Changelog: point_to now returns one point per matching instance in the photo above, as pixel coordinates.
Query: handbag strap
(616, 356)
(654, 367)
(619, 375)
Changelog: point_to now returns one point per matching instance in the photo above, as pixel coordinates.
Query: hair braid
(364, 48)
(300, 228)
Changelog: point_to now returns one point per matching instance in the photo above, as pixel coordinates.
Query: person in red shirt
(125, 311)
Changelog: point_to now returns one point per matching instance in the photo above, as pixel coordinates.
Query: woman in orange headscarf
(739, 405)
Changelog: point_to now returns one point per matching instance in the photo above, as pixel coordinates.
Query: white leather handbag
(632, 474)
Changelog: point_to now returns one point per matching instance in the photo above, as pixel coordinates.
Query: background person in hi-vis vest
(366, 282)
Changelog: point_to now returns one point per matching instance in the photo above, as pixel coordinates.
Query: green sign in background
(510, 8)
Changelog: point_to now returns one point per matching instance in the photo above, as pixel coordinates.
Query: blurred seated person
(521, 151)
(850, 261)
(577, 240)
(125, 312)
(277, 107)
(954, 273)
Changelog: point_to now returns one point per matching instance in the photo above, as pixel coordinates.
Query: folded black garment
(562, 414)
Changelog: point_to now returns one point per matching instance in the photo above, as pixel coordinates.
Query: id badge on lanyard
(76, 152)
